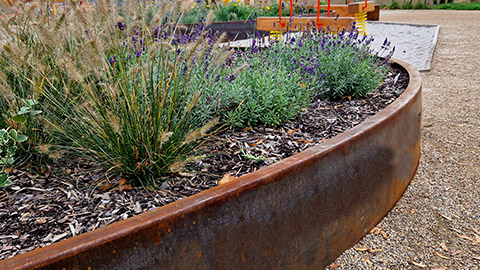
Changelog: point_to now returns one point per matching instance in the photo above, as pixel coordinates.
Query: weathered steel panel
(300, 213)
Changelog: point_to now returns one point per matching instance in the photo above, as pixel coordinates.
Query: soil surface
(436, 224)
(73, 197)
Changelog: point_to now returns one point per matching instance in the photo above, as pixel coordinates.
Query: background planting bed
(300, 213)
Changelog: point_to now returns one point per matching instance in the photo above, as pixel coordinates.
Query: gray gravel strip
(436, 225)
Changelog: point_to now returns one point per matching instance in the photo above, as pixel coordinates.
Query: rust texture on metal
(300, 213)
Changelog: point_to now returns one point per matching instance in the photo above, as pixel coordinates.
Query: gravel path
(436, 225)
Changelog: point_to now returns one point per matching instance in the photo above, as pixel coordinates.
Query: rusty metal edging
(221, 226)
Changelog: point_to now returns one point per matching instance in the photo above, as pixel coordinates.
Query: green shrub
(267, 95)
(419, 5)
(407, 5)
(234, 12)
(394, 5)
(335, 65)
(460, 6)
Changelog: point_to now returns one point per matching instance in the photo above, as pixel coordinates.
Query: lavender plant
(262, 91)
(335, 64)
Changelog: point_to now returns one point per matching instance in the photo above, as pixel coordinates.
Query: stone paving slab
(414, 43)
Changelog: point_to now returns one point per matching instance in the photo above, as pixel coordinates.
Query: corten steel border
(300, 213)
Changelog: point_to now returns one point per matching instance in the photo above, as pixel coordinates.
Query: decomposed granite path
(436, 225)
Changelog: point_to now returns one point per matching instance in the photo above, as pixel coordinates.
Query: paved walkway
(436, 225)
(414, 43)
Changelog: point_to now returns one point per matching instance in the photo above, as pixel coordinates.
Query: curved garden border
(300, 213)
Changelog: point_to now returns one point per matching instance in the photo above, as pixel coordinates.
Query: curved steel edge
(300, 213)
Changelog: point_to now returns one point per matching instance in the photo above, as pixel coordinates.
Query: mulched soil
(69, 199)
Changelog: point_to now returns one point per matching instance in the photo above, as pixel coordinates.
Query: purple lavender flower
(230, 78)
(370, 40)
(112, 60)
(121, 26)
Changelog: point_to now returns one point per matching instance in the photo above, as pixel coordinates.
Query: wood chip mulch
(71, 197)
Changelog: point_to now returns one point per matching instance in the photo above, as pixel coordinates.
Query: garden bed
(177, 114)
(74, 197)
(313, 205)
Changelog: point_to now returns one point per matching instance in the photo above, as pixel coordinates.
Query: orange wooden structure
(298, 24)
(303, 23)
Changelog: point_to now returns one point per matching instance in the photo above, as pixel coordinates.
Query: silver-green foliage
(9, 139)
(334, 64)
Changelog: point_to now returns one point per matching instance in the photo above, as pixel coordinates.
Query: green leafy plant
(459, 6)
(28, 109)
(236, 12)
(9, 138)
(267, 96)
(407, 5)
(394, 5)
(419, 5)
(334, 65)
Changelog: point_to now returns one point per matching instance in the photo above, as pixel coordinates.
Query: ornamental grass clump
(114, 86)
